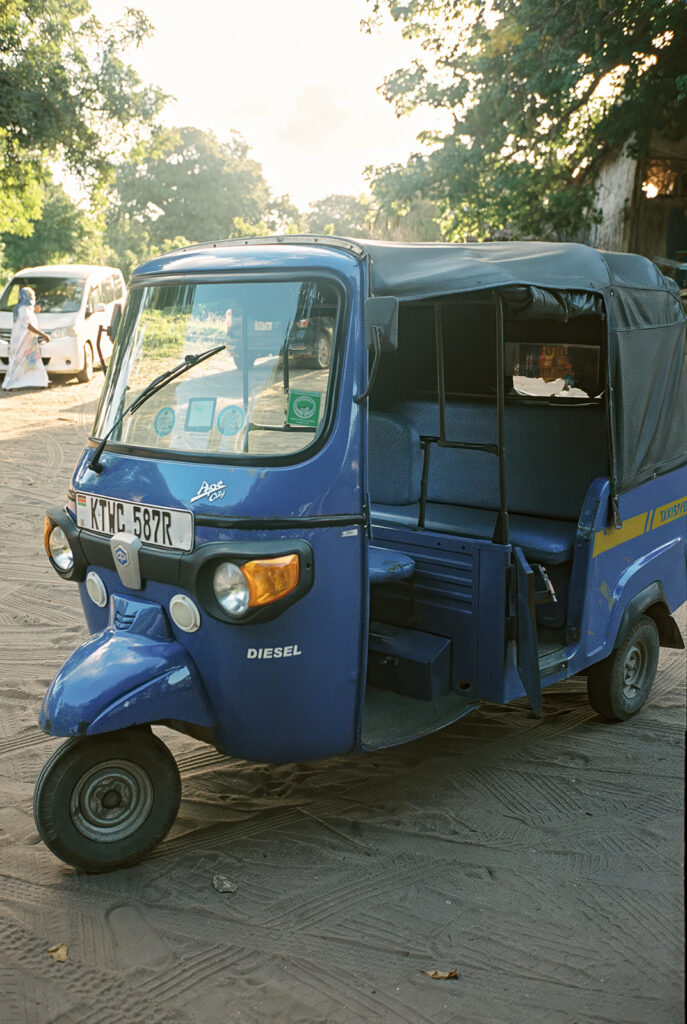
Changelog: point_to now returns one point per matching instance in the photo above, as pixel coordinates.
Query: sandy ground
(541, 859)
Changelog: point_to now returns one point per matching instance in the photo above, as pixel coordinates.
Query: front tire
(619, 685)
(323, 351)
(103, 802)
(87, 373)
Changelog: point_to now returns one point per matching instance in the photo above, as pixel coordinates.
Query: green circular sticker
(304, 407)
(164, 421)
(230, 420)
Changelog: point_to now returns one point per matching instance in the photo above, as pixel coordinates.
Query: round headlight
(231, 588)
(59, 549)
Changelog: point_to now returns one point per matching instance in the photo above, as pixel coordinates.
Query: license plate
(163, 527)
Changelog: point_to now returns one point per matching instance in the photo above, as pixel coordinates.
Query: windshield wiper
(155, 385)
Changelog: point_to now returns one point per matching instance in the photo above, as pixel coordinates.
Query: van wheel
(619, 685)
(103, 802)
(323, 351)
(238, 359)
(87, 372)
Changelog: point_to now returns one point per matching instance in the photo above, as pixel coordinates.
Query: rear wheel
(619, 685)
(103, 802)
(87, 373)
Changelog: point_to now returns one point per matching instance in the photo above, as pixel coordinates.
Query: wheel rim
(111, 801)
(634, 670)
(322, 352)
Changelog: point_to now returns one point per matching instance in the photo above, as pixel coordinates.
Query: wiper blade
(150, 389)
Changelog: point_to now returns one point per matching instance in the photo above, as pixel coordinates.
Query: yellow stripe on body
(604, 540)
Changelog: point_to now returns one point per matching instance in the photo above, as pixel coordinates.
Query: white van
(72, 303)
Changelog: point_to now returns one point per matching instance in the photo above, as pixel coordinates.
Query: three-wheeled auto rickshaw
(481, 493)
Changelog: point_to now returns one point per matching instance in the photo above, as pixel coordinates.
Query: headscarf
(27, 297)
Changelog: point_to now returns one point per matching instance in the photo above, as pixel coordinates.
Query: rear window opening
(545, 359)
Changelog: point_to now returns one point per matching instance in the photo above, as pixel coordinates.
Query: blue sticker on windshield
(164, 422)
(230, 420)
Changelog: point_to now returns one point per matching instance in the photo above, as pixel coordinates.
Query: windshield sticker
(164, 422)
(230, 420)
(200, 415)
(304, 408)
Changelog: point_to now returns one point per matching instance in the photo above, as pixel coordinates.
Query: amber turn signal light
(270, 579)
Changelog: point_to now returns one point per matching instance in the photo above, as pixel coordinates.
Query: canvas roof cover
(646, 327)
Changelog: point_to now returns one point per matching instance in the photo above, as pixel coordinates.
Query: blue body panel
(273, 708)
(131, 672)
(650, 546)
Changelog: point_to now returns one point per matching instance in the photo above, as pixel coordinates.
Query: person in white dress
(26, 368)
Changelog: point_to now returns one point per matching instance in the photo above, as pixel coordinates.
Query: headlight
(61, 332)
(256, 583)
(231, 588)
(58, 549)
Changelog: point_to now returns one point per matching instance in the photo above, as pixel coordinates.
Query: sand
(540, 859)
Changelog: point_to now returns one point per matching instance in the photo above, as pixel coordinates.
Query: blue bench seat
(543, 540)
(552, 456)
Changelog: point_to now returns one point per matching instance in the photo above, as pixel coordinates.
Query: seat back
(552, 454)
(394, 460)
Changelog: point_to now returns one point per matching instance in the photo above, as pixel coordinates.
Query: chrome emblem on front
(121, 555)
(125, 548)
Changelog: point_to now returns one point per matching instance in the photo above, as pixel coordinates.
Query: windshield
(248, 399)
(53, 294)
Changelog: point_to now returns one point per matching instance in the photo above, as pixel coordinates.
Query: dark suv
(309, 339)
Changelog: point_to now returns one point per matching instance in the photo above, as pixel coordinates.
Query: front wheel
(619, 685)
(103, 802)
(323, 351)
(87, 373)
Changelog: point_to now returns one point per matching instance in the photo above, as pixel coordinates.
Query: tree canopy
(66, 95)
(538, 93)
(340, 215)
(185, 185)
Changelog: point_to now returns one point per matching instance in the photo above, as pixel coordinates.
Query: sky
(297, 78)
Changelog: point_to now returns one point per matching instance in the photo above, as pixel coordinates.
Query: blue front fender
(131, 673)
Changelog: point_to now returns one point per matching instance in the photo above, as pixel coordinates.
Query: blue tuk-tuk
(479, 492)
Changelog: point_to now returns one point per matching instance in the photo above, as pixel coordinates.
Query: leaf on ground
(441, 975)
(224, 884)
(58, 952)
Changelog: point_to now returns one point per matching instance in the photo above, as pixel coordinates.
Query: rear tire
(87, 373)
(103, 802)
(619, 685)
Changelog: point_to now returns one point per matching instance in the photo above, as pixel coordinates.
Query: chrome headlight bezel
(59, 550)
(231, 589)
(59, 517)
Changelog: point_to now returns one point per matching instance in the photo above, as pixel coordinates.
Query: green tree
(65, 233)
(340, 215)
(539, 92)
(184, 183)
(65, 94)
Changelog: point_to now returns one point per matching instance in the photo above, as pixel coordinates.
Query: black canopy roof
(646, 355)
(420, 270)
